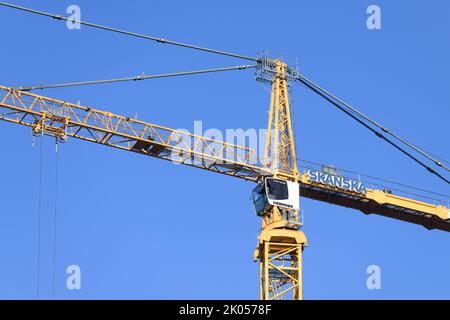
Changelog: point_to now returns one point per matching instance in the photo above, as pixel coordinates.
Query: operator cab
(276, 192)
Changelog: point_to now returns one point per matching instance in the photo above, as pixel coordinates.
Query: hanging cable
(377, 133)
(41, 142)
(137, 35)
(55, 220)
(435, 156)
(304, 80)
(137, 78)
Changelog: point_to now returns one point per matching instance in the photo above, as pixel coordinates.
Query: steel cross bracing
(280, 243)
(62, 119)
(85, 123)
(280, 154)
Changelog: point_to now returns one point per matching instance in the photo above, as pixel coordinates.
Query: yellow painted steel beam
(58, 118)
(431, 216)
(280, 264)
(279, 248)
(280, 156)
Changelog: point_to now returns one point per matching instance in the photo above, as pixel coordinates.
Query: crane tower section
(276, 198)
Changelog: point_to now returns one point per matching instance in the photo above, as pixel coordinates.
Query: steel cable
(128, 33)
(303, 79)
(377, 133)
(136, 78)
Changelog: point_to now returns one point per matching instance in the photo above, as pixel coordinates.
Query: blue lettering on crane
(336, 181)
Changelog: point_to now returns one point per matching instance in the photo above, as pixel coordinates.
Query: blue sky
(144, 228)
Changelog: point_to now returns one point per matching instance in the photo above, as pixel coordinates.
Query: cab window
(277, 189)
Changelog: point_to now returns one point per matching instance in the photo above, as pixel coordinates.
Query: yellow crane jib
(345, 192)
(58, 118)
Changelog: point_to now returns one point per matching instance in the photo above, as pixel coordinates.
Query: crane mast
(280, 243)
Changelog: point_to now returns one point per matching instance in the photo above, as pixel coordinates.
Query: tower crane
(279, 181)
